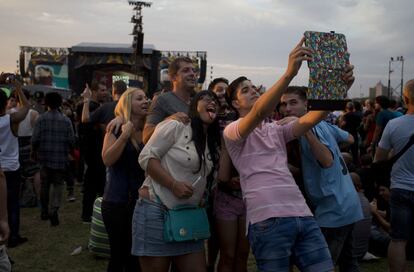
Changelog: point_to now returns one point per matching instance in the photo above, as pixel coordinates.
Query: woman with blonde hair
(124, 176)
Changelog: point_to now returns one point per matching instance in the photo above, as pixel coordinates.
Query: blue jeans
(402, 214)
(277, 241)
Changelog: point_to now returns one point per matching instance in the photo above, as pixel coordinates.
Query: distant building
(379, 89)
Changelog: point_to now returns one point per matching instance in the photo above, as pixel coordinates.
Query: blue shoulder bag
(186, 223)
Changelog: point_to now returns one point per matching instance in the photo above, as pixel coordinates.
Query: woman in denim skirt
(177, 158)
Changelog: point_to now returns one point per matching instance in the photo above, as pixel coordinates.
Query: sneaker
(54, 219)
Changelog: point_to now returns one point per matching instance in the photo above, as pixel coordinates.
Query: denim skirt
(148, 233)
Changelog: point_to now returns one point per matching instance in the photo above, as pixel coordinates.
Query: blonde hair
(123, 107)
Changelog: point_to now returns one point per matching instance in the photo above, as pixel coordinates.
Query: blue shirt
(384, 116)
(396, 135)
(330, 190)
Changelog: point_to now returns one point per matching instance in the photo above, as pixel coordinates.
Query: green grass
(49, 248)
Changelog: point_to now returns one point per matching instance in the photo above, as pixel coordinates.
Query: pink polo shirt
(268, 187)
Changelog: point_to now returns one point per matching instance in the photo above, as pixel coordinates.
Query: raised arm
(87, 94)
(19, 115)
(265, 105)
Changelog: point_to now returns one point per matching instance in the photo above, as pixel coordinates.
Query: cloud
(268, 70)
(51, 18)
(252, 37)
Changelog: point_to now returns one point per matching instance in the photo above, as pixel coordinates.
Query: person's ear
(406, 100)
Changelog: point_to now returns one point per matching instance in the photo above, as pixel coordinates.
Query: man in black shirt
(351, 121)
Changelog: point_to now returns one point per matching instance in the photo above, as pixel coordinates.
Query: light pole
(389, 76)
(399, 58)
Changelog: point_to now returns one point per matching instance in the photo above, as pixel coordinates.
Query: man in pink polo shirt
(281, 226)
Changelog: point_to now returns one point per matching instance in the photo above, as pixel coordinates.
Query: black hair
(357, 105)
(231, 91)
(216, 81)
(213, 131)
(393, 103)
(383, 101)
(3, 99)
(119, 87)
(300, 91)
(350, 106)
(53, 100)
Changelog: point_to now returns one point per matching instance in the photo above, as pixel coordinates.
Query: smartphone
(330, 58)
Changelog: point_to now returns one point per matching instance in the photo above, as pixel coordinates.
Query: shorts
(277, 241)
(228, 207)
(402, 214)
(148, 233)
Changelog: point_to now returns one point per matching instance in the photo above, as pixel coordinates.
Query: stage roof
(117, 48)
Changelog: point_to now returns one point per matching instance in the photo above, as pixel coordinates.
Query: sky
(242, 37)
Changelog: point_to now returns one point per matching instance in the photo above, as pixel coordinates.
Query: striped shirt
(268, 187)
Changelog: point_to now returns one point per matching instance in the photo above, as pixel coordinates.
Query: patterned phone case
(326, 69)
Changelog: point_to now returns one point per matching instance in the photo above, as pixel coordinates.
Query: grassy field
(49, 248)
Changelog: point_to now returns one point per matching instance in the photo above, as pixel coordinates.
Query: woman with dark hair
(177, 158)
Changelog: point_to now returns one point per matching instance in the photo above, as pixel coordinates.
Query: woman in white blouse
(177, 158)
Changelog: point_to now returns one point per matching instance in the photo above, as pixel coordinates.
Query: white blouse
(171, 143)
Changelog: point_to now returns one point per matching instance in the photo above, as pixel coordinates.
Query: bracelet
(86, 101)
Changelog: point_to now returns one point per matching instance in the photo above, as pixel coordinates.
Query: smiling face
(207, 108)
(139, 103)
(186, 76)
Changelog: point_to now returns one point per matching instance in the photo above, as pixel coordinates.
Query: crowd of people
(194, 180)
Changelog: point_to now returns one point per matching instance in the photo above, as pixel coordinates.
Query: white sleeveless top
(25, 127)
(9, 146)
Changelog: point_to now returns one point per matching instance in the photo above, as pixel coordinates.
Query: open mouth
(212, 112)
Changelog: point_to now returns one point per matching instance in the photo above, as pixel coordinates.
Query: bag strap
(402, 151)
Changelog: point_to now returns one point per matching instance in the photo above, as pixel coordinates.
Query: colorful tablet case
(326, 69)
